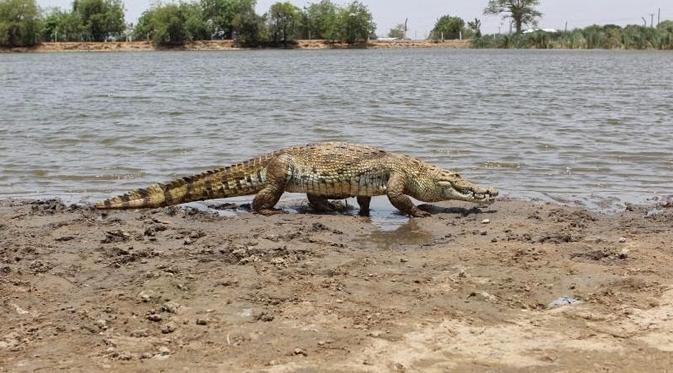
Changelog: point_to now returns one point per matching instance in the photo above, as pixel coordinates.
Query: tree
(195, 26)
(475, 27)
(522, 12)
(284, 20)
(171, 24)
(397, 32)
(447, 27)
(100, 18)
(322, 21)
(249, 28)
(168, 26)
(220, 14)
(61, 25)
(19, 23)
(356, 22)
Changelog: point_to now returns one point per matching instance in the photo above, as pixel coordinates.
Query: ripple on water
(547, 124)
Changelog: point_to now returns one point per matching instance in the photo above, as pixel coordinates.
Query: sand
(516, 287)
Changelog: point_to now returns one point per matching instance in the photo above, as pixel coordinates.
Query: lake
(588, 127)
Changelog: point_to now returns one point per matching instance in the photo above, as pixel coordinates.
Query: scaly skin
(323, 171)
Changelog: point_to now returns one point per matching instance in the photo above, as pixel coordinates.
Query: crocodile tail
(238, 180)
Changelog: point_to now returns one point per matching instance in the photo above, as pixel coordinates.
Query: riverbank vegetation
(592, 37)
(22, 24)
(174, 24)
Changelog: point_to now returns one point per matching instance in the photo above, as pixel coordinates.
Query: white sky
(422, 14)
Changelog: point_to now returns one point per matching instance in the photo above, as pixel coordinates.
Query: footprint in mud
(406, 234)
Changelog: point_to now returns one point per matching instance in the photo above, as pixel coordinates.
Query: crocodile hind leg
(363, 202)
(319, 203)
(266, 199)
(400, 200)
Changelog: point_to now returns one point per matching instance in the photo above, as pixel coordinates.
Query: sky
(422, 14)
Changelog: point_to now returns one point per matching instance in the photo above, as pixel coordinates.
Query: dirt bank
(517, 287)
(214, 45)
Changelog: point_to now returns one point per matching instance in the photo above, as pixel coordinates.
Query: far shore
(216, 45)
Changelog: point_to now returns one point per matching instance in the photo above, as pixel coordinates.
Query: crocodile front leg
(319, 203)
(266, 199)
(400, 200)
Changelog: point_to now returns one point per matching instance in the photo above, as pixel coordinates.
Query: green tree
(475, 27)
(522, 12)
(195, 26)
(168, 26)
(249, 28)
(356, 22)
(322, 21)
(397, 32)
(284, 20)
(144, 27)
(100, 18)
(447, 27)
(220, 14)
(19, 23)
(171, 25)
(61, 25)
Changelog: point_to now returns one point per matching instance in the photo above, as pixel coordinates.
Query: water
(592, 127)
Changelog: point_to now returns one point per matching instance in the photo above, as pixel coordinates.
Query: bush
(592, 37)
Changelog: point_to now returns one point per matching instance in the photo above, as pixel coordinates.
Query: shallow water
(592, 127)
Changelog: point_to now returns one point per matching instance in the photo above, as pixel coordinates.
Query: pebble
(163, 350)
(169, 328)
(170, 307)
(622, 239)
(145, 296)
(201, 322)
(486, 221)
(623, 254)
(299, 351)
(154, 317)
(565, 300)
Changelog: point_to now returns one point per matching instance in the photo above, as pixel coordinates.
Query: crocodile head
(446, 185)
(454, 186)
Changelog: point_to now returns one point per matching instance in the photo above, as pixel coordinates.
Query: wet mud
(515, 287)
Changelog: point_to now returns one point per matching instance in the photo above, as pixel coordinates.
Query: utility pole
(404, 36)
(652, 20)
(644, 21)
(566, 27)
(659, 18)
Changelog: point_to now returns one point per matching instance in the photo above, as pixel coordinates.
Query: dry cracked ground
(516, 287)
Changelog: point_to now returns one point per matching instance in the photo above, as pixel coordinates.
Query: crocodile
(323, 171)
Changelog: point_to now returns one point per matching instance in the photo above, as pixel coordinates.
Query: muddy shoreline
(223, 45)
(516, 287)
